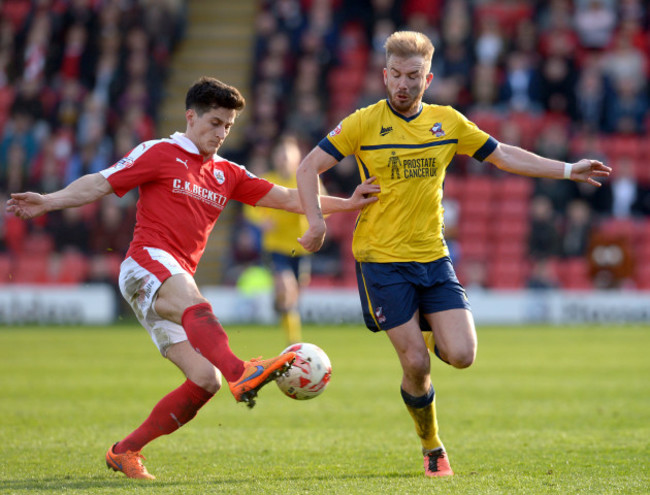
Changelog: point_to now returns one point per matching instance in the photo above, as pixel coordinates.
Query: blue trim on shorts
(391, 293)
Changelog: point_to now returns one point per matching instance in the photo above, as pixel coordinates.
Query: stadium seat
(38, 244)
(477, 188)
(510, 249)
(642, 277)
(30, 269)
(473, 209)
(514, 188)
(15, 232)
(473, 230)
(452, 187)
(514, 209)
(72, 268)
(5, 269)
(473, 250)
(574, 274)
(511, 229)
(507, 274)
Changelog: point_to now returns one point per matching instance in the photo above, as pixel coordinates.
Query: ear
(385, 76)
(429, 79)
(190, 115)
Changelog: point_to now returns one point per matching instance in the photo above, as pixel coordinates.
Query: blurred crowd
(81, 82)
(566, 79)
(80, 85)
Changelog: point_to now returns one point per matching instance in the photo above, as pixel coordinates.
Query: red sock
(208, 337)
(173, 411)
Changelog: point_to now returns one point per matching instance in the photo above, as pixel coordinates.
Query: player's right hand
(312, 240)
(26, 205)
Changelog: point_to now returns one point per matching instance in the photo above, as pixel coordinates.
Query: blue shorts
(299, 265)
(391, 293)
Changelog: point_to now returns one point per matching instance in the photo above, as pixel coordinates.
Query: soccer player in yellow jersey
(289, 262)
(406, 281)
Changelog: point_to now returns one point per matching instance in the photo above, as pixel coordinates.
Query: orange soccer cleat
(258, 373)
(129, 463)
(436, 463)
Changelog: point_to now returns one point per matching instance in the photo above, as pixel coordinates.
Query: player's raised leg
(179, 300)
(453, 336)
(418, 394)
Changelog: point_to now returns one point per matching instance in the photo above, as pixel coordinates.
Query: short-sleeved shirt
(181, 196)
(286, 227)
(409, 157)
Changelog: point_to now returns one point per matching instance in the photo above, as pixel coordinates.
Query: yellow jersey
(409, 157)
(285, 227)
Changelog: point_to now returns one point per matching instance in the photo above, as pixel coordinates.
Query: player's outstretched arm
(283, 198)
(522, 162)
(82, 191)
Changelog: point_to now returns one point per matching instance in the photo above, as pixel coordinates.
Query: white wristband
(568, 167)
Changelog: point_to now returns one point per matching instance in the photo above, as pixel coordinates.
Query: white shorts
(141, 275)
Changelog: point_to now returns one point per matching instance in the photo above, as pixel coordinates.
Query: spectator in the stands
(577, 229)
(544, 237)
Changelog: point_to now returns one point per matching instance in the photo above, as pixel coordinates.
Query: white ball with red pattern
(309, 374)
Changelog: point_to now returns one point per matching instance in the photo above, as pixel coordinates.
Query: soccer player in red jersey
(184, 185)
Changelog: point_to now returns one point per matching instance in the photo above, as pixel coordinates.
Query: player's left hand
(586, 170)
(360, 197)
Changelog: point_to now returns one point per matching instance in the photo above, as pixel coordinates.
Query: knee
(418, 365)
(208, 379)
(462, 358)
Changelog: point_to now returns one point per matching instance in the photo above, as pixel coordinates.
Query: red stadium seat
(474, 250)
(15, 232)
(515, 209)
(514, 187)
(71, 268)
(506, 274)
(642, 277)
(574, 273)
(475, 208)
(30, 269)
(477, 188)
(6, 274)
(38, 244)
(474, 230)
(510, 249)
(511, 229)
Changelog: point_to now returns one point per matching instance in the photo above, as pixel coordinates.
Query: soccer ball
(309, 374)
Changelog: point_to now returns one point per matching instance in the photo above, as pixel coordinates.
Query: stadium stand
(563, 78)
(81, 82)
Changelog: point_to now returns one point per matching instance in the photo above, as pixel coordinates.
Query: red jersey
(181, 197)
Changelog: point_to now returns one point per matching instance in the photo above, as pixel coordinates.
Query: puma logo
(184, 162)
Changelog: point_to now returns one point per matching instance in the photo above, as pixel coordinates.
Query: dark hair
(208, 93)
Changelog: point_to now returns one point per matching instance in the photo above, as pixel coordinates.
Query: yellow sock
(292, 326)
(429, 341)
(423, 412)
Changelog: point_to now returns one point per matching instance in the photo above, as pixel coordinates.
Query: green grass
(543, 410)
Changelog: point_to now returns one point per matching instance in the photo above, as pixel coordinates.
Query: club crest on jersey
(436, 130)
(337, 130)
(220, 176)
(379, 313)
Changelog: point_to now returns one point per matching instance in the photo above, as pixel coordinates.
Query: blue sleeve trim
(329, 148)
(486, 150)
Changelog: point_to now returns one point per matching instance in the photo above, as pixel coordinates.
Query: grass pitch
(543, 410)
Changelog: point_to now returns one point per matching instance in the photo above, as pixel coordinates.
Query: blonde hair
(406, 44)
